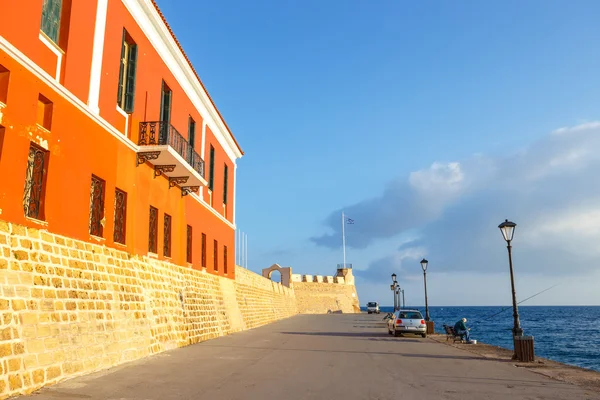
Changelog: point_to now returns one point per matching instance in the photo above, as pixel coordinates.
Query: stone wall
(322, 298)
(69, 307)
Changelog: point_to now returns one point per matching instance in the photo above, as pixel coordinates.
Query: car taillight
(398, 321)
(422, 322)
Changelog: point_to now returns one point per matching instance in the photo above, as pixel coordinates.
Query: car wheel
(424, 335)
(397, 334)
(368, 312)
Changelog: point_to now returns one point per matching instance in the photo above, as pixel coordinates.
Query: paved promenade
(333, 357)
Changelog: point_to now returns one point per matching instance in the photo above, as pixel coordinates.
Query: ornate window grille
(189, 244)
(33, 195)
(167, 236)
(97, 206)
(225, 259)
(120, 216)
(204, 250)
(216, 255)
(153, 231)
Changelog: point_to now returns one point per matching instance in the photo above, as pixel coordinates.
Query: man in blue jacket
(461, 329)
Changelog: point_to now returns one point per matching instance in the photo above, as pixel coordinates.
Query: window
(216, 255)
(153, 231)
(44, 112)
(204, 250)
(97, 206)
(51, 11)
(225, 259)
(192, 132)
(225, 178)
(4, 76)
(167, 236)
(165, 103)
(120, 216)
(35, 182)
(126, 95)
(211, 174)
(189, 244)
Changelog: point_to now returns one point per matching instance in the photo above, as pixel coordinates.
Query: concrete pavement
(336, 356)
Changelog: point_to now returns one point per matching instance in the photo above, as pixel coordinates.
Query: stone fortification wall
(69, 307)
(316, 294)
(323, 298)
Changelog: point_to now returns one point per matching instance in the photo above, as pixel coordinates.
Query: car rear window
(411, 315)
(371, 304)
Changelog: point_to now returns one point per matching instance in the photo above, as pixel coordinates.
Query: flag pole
(344, 238)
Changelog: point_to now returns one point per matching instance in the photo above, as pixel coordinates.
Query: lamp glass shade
(424, 263)
(508, 230)
(394, 277)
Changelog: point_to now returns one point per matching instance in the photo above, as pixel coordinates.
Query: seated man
(461, 329)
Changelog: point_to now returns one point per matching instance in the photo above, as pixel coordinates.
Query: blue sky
(428, 123)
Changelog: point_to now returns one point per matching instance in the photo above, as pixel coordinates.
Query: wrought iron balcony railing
(153, 133)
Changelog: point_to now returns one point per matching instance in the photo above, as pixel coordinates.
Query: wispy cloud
(549, 189)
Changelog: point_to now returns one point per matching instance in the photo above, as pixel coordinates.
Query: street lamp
(403, 301)
(508, 231)
(424, 263)
(393, 287)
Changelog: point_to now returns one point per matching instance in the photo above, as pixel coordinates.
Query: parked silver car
(407, 321)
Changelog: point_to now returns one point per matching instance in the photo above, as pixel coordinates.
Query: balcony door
(165, 113)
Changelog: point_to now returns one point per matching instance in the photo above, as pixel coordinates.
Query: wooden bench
(451, 333)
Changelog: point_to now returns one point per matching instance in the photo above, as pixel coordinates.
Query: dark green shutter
(225, 173)
(130, 83)
(121, 70)
(211, 176)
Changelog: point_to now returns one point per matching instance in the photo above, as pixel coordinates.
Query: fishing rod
(508, 308)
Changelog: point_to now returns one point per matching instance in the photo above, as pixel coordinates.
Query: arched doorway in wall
(275, 276)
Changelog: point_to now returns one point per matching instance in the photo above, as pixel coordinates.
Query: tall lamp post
(398, 290)
(424, 263)
(403, 301)
(393, 287)
(508, 230)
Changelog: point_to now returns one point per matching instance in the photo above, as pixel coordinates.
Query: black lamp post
(424, 263)
(393, 287)
(403, 301)
(398, 290)
(508, 230)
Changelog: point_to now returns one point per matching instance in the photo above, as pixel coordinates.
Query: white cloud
(548, 189)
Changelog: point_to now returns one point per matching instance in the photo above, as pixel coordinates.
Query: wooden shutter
(130, 83)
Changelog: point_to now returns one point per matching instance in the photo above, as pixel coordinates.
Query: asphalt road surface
(331, 357)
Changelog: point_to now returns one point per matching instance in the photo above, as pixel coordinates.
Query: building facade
(107, 134)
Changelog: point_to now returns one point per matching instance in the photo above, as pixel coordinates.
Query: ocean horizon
(575, 342)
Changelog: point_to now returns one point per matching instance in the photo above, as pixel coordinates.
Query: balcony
(171, 155)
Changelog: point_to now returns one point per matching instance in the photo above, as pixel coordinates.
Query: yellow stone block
(18, 305)
(4, 304)
(18, 348)
(2, 384)
(51, 343)
(45, 359)
(35, 346)
(5, 350)
(29, 318)
(14, 364)
(21, 255)
(15, 382)
(43, 330)
(39, 376)
(53, 372)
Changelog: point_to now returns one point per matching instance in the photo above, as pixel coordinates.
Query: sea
(567, 334)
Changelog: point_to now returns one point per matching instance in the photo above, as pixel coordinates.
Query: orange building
(104, 132)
